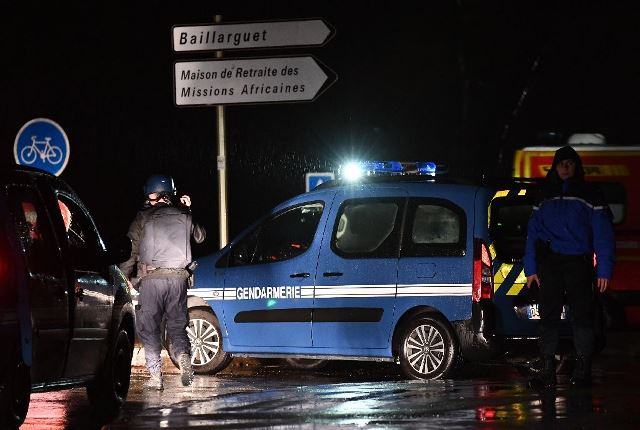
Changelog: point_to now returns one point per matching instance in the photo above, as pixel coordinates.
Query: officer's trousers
(162, 297)
(570, 277)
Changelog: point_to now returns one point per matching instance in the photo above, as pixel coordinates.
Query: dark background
(462, 83)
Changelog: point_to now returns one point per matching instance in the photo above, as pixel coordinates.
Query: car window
(615, 196)
(367, 228)
(84, 243)
(435, 227)
(286, 235)
(508, 226)
(34, 231)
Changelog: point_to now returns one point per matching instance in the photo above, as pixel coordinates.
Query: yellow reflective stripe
(522, 192)
(521, 279)
(502, 273)
(498, 279)
(515, 289)
(492, 251)
(518, 285)
(501, 193)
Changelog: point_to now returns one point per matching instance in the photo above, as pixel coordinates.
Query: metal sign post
(222, 168)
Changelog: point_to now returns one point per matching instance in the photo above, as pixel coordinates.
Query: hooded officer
(161, 236)
(567, 227)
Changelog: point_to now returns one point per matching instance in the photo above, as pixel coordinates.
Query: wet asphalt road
(348, 395)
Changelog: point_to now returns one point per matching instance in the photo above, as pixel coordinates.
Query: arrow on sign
(255, 80)
(254, 35)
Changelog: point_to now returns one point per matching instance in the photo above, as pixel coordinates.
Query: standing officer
(161, 254)
(569, 225)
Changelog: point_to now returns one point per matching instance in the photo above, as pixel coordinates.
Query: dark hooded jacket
(572, 218)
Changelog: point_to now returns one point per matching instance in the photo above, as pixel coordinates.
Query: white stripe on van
(351, 291)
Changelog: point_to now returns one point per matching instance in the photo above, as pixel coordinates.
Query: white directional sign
(255, 80)
(254, 35)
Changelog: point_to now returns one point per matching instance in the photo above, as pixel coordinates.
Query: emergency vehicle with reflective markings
(415, 269)
(617, 171)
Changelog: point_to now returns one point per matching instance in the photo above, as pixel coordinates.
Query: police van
(404, 267)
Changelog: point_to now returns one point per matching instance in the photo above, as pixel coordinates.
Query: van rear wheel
(427, 348)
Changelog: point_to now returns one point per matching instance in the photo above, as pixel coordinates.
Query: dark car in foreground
(66, 316)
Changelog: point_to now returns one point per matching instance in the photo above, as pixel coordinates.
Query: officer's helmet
(161, 184)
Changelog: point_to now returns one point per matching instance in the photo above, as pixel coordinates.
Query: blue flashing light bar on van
(355, 170)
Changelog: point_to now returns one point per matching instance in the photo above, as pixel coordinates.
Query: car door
(436, 261)
(357, 271)
(93, 293)
(47, 287)
(268, 281)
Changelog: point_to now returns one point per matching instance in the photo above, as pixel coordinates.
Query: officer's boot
(581, 376)
(186, 369)
(155, 382)
(547, 376)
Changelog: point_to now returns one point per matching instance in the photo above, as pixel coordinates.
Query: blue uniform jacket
(572, 219)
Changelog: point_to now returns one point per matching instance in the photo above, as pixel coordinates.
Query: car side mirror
(118, 250)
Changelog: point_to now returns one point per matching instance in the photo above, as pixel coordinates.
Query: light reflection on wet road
(368, 396)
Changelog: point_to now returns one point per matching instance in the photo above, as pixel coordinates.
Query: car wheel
(15, 394)
(205, 336)
(427, 349)
(306, 363)
(108, 391)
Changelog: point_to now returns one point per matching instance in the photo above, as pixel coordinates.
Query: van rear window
(509, 221)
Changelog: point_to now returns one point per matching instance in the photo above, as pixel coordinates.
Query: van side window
(435, 227)
(367, 228)
(34, 231)
(286, 235)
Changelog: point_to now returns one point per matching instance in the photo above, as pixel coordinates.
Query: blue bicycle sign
(42, 143)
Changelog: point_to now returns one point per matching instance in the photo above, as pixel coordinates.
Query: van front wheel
(207, 355)
(427, 348)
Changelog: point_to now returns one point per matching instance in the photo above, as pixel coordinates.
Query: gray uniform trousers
(162, 297)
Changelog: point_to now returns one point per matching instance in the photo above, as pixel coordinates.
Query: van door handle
(327, 274)
(299, 275)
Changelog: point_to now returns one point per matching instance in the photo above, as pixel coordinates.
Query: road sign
(255, 80)
(253, 35)
(313, 179)
(42, 143)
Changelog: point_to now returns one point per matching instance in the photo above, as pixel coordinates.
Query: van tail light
(482, 272)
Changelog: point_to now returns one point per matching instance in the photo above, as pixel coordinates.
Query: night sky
(462, 83)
